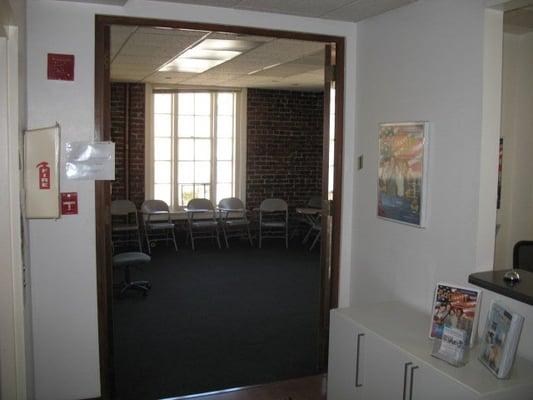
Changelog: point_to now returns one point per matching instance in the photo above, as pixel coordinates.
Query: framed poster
(403, 153)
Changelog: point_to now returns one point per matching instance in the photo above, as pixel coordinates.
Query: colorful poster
(454, 307)
(401, 176)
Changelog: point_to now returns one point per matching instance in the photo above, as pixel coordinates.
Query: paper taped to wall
(90, 160)
(41, 172)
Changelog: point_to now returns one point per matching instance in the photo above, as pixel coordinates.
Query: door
(386, 370)
(346, 359)
(427, 383)
(331, 195)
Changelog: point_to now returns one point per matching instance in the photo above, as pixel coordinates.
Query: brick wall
(284, 149)
(136, 140)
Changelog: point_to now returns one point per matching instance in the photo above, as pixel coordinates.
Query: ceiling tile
(308, 8)
(362, 9)
(215, 3)
(119, 35)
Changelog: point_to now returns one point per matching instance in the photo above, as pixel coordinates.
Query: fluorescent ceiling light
(194, 65)
(208, 54)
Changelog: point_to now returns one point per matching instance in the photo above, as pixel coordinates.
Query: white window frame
(239, 162)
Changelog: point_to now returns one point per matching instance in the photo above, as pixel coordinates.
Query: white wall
(424, 61)
(63, 251)
(516, 213)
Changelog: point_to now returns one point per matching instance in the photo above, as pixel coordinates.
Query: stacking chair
(122, 223)
(157, 223)
(523, 255)
(306, 218)
(202, 219)
(233, 219)
(274, 220)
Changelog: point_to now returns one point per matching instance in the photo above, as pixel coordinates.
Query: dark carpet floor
(217, 319)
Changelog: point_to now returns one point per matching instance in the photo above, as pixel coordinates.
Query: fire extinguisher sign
(44, 175)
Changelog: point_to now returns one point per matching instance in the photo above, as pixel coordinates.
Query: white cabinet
(383, 369)
(381, 352)
(346, 339)
(427, 383)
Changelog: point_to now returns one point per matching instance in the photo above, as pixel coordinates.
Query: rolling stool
(127, 260)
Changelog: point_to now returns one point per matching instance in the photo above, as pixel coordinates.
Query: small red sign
(69, 203)
(61, 67)
(44, 175)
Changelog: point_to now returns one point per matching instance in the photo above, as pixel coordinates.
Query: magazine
(455, 307)
(500, 339)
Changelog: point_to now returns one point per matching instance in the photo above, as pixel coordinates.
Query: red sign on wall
(69, 203)
(44, 175)
(61, 67)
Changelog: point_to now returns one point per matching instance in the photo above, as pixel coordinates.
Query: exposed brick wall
(284, 149)
(136, 140)
(284, 145)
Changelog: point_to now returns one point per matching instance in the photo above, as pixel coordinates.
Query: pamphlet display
(452, 347)
(455, 307)
(500, 339)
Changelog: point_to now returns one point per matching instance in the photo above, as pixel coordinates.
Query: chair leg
(250, 236)
(225, 236)
(218, 239)
(191, 236)
(174, 239)
(148, 241)
(139, 241)
(306, 237)
(315, 241)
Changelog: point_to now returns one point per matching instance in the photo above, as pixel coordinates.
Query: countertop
(493, 280)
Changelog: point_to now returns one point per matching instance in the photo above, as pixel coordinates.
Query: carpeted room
(222, 318)
(217, 319)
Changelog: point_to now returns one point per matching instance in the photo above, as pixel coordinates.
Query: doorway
(333, 128)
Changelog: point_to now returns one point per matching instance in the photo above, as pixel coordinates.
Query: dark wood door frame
(329, 287)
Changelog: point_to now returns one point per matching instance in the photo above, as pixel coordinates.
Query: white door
(385, 372)
(346, 359)
(427, 383)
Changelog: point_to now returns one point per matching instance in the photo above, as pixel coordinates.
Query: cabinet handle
(405, 367)
(411, 383)
(357, 384)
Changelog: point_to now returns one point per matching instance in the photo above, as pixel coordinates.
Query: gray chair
(523, 255)
(127, 260)
(274, 220)
(123, 224)
(307, 220)
(157, 223)
(202, 219)
(233, 219)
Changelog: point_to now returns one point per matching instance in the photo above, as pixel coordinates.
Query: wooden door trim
(102, 188)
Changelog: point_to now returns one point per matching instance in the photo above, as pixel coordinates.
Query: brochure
(500, 339)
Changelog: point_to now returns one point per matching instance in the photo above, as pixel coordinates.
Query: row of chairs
(204, 221)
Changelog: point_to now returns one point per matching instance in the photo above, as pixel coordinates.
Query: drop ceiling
(141, 54)
(341, 10)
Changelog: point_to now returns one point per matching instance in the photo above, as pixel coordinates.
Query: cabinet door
(427, 383)
(344, 366)
(386, 370)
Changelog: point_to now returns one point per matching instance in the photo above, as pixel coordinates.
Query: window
(194, 146)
